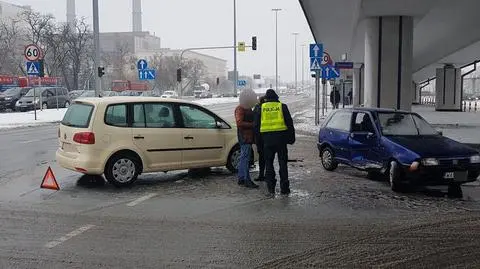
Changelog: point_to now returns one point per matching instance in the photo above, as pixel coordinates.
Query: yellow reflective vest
(272, 118)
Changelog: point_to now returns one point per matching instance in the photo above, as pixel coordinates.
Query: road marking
(69, 236)
(30, 141)
(142, 199)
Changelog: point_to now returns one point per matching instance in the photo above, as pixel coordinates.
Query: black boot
(249, 184)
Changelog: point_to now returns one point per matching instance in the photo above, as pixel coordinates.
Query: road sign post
(316, 55)
(317, 98)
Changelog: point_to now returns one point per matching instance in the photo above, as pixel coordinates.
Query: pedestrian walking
(335, 98)
(259, 143)
(275, 125)
(244, 118)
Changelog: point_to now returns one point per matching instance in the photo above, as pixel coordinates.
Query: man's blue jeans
(244, 164)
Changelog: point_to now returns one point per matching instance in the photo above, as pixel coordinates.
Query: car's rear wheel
(328, 159)
(234, 159)
(455, 191)
(395, 177)
(122, 170)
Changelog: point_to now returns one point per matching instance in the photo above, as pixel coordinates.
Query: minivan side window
(153, 115)
(340, 121)
(116, 115)
(194, 117)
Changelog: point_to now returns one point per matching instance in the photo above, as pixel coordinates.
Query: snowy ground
(26, 119)
(216, 101)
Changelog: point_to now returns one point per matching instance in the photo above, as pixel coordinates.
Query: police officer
(259, 143)
(275, 125)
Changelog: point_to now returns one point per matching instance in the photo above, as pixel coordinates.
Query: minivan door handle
(188, 137)
(138, 137)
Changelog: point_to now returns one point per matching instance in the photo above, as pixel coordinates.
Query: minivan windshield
(403, 124)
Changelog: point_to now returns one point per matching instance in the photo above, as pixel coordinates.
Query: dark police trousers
(282, 152)
(261, 159)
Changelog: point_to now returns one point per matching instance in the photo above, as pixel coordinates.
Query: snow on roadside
(216, 101)
(27, 119)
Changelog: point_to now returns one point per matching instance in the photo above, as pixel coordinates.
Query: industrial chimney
(137, 15)
(71, 11)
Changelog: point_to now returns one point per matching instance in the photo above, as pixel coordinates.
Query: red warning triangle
(49, 181)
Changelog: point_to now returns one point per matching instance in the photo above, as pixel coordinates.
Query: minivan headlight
(475, 159)
(430, 162)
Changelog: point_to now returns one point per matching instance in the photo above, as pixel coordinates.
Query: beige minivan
(122, 137)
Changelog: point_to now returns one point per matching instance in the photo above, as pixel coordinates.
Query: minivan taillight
(84, 138)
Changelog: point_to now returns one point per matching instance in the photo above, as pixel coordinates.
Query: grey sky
(193, 23)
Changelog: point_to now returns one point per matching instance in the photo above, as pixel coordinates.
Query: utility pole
(276, 10)
(303, 67)
(296, 67)
(235, 75)
(96, 41)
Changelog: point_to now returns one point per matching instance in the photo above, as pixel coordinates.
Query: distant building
(132, 41)
(9, 11)
(216, 67)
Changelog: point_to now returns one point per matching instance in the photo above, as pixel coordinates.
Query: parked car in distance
(74, 94)
(9, 97)
(43, 97)
(122, 137)
(130, 93)
(400, 145)
(169, 94)
(109, 93)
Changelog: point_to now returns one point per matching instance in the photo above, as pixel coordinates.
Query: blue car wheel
(395, 177)
(328, 159)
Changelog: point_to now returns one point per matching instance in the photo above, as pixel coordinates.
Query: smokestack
(71, 11)
(137, 15)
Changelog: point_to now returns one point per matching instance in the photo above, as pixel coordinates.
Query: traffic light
(41, 71)
(179, 75)
(254, 43)
(101, 71)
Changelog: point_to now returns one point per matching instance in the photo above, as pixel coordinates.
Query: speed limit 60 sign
(32, 53)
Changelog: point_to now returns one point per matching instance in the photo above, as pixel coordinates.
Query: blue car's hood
(433, 146)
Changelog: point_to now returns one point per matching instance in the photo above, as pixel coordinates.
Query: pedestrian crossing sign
(33, 68)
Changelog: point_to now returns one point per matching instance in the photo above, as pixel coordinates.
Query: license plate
(456, 176)
(449, 175)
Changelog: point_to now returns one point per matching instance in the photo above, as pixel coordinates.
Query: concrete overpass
(396, 44)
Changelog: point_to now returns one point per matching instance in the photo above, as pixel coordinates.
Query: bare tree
(10, 48)
(78, 40)
(117, 60)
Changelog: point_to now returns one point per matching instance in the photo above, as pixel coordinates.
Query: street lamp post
(235, 76)
(276, 10)
(296, 67)
(96, 38)
(303, 67)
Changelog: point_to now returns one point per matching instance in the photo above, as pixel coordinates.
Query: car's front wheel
(455, 191)
(234, 159)
(328, 159)
(122, 170)
(395, 177)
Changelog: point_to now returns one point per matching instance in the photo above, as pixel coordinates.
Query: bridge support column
(416, 94)
(358, 87)
(448, 84)
(388, 62)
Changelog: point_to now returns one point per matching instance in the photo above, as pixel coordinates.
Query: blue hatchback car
(398, 145)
